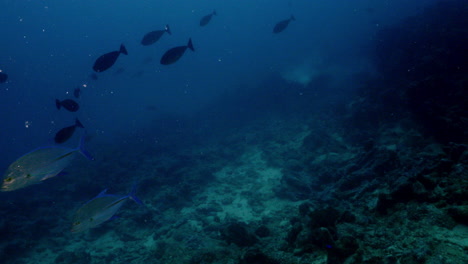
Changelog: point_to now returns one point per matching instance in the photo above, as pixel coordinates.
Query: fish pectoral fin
(114, 217)
(52, 174)
(48, 176)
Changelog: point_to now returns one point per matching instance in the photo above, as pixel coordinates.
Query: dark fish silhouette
(107, 60)
(68, 104)
(65, 133)
(206, 19)
(282, 25)
(76, 92)
(154, 36)
(93, 76)
(174, 54)
(3, 77)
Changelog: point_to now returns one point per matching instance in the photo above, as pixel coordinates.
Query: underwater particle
(206, 19)
(283, 24)
(153, 36)
(27, 124)
(174, 54)
(106, 61)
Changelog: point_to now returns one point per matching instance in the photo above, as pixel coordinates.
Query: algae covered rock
(237, 233)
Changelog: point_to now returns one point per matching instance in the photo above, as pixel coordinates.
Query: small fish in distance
(174, 54)
(39, 165)
(282, 25)
(206, 19)
(3, 77)
(77, 92)
(100, 209)
(68, 104)
(106, 61)
(154, 36)
(93, 76)
(65, 133)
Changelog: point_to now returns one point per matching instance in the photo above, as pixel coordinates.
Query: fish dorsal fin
(190, 45)
(102, 193)
(123, 49)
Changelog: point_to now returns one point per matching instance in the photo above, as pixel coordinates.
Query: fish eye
(9, 179)
(28, 175)
(76, 223)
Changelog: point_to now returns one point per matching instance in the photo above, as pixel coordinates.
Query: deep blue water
(239, 73)
(49, 47)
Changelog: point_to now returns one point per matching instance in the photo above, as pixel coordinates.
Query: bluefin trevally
(100, 209)
(39, 165)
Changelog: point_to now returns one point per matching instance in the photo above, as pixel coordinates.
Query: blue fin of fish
(82, 149)
(132, 195)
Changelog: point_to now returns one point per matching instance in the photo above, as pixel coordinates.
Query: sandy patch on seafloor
(244, 190)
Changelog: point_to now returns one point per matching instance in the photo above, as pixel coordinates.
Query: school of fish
(47, 162)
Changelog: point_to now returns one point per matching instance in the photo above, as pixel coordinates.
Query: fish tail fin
(132, 195)
(190, 45)
(78, 123)
(82, 150)
(57, 103)
(123, 49)
(168, 30)
(293, 18)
